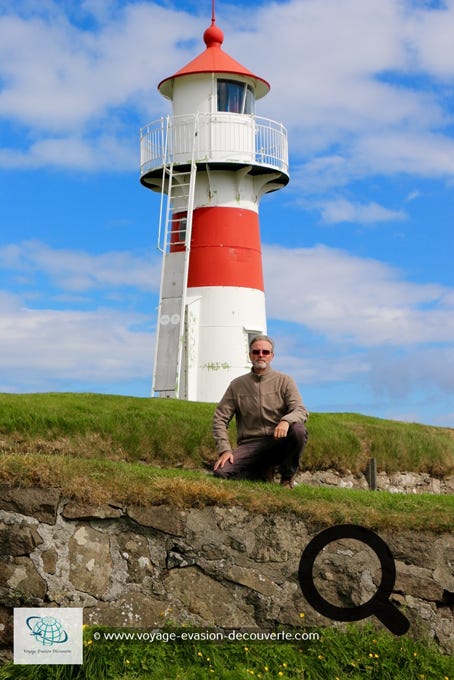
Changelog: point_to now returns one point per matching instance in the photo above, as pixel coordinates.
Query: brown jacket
(258, 403)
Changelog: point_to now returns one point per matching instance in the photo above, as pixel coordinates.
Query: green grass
(98, 449)
(357, 653)
(105, 481)
(178, 433)
(93, 425)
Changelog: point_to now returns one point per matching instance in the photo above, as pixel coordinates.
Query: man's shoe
(270, 474)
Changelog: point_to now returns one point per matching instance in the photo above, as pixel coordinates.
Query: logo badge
(48, 635)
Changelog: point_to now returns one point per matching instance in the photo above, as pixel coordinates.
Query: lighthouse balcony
(222, 139)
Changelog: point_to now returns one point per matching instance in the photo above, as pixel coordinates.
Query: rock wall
(213, 566)
(400, 482)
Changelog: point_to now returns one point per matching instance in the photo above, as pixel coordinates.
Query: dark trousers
(254, 459)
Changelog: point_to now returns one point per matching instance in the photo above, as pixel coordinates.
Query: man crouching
(270, 417)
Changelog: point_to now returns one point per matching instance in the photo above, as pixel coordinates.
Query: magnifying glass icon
(379, 604)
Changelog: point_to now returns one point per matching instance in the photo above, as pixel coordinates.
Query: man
(270, 417)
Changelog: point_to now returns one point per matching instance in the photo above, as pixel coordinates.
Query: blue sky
(357, 248)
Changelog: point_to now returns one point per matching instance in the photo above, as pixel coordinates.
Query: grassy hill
(101, 448)
(178, 433)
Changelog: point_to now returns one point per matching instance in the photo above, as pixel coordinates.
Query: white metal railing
(216, 137)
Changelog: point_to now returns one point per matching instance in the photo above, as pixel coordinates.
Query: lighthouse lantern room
(211, 160)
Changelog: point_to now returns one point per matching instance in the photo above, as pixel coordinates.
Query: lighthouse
(211, 160)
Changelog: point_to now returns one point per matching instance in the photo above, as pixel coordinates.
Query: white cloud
(353, 83)
(331, 292)
(341, 210)
(413, 195)
(354, 299)
(92, 154)
(401, 373)
(76, 97)
(365, 89)
(310, 365)
(419, 153)
(58, 76)
(41, 348)
(328, 60)
(339, 71)
(44, 348)
(347, 320)
(79, 271)
(423, 154)
(431, 34)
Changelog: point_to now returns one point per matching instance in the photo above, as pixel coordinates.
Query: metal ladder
(178, 189)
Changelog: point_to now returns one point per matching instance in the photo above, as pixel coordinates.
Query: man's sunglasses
(256, 352)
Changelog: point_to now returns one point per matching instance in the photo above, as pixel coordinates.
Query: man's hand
(281, 429)
(225, 457)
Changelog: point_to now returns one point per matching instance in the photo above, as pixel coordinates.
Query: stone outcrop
(400, 482)
(212, 566)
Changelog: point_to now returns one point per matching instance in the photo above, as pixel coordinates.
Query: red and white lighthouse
(212, 160)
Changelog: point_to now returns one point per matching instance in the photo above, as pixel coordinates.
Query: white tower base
(220, 321)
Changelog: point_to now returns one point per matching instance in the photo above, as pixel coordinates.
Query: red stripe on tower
(225, 249)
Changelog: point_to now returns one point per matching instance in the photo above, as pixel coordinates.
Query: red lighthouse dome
(215, 60)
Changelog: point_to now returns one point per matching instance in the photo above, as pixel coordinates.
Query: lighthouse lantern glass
(235, 96)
